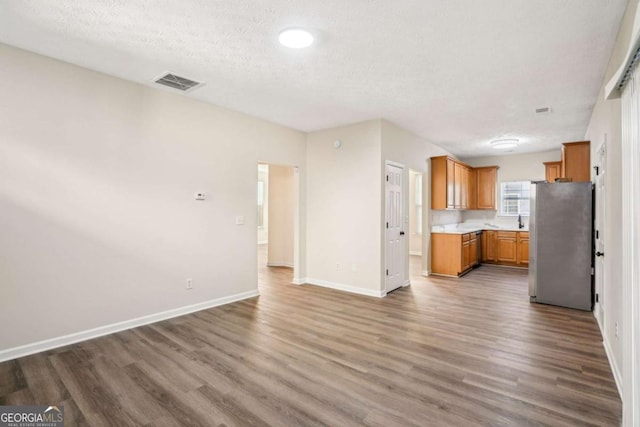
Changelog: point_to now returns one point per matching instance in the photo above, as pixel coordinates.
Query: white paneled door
(395, 251)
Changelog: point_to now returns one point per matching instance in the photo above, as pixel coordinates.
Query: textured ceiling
(457, 72)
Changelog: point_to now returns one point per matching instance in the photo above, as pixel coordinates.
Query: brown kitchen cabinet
(473, 250)
(486, 178)
(466, 253)
(472, 199)
(576, 161)
(449, 183)
(523, 248)
(453, 254)
(507, 246)
(455, 185)
(489, 246)
(456, 254)
(449, 187)
(552, 170)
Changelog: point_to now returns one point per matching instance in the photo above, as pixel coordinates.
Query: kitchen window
(514, 198)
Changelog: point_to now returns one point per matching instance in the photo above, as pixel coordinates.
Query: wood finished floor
(451, 352)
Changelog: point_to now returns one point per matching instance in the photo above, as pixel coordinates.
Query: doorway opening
(415, 222)
(277, 224)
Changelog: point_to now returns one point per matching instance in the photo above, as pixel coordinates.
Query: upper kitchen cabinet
(576, 161)
(456, 185)
(449, 183)
(552, 170)
(472, 200)
(442, 178)
(486, 187)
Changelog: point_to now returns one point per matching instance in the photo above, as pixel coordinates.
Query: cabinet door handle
(402, 233)
(599, 253)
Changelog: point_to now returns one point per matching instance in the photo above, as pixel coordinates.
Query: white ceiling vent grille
(182, 84)
(543, 110)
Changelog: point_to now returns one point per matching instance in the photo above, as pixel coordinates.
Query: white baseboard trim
(597, 313)
(406, 283)
(40, 346)
(263, 242)
(613, 364)
(280, 264)
(299, 281)
(346, 288)
(418, 253)
(426, 273)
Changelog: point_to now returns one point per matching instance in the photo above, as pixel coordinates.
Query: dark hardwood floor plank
(12, 377)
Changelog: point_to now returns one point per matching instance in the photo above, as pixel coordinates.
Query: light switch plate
(240, 220)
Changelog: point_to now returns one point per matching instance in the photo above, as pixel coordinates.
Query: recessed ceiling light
(505, 144)
(295, 38)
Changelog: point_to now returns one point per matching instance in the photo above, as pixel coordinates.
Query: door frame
(298, 270)
(405, 252)
(599, 226)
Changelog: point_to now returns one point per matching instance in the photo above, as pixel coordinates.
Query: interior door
(601, 214)
(394, 218)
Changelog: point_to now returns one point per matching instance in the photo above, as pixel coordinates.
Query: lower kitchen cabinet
(466, 256)
(523, 248)
(473, 250)
(506, 248)
(489, 246)
(456, 254)
(453, 254)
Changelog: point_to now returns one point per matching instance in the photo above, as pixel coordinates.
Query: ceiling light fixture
(295, 38)
(505, 144)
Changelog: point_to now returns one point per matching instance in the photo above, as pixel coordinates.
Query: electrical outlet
(189, 284)
(338, 267)
(617, 330)
(354, 267)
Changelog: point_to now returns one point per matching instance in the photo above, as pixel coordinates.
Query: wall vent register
(176, 82)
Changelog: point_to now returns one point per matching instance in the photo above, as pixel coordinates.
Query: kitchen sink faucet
(520, 223)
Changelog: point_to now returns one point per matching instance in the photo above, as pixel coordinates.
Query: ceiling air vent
(176, 82)
(543, 110)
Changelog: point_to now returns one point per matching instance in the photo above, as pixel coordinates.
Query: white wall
(514, 167)
(343, 207)
(605, 123)
(97, 214)
(282, 216)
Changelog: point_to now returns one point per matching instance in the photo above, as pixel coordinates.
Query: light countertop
(472, 228)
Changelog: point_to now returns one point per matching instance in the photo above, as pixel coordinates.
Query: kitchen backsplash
(445, 217)
(490, 217)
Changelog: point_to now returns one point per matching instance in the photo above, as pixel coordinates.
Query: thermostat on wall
(199, 196)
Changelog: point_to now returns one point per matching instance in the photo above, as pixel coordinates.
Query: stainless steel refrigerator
(561, 248)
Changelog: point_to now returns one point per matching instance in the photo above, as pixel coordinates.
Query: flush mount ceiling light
(505, 144)
(295, 38)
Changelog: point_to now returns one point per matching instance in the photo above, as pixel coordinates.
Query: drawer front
(507, 234)
(466, 237)
(524, 234)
